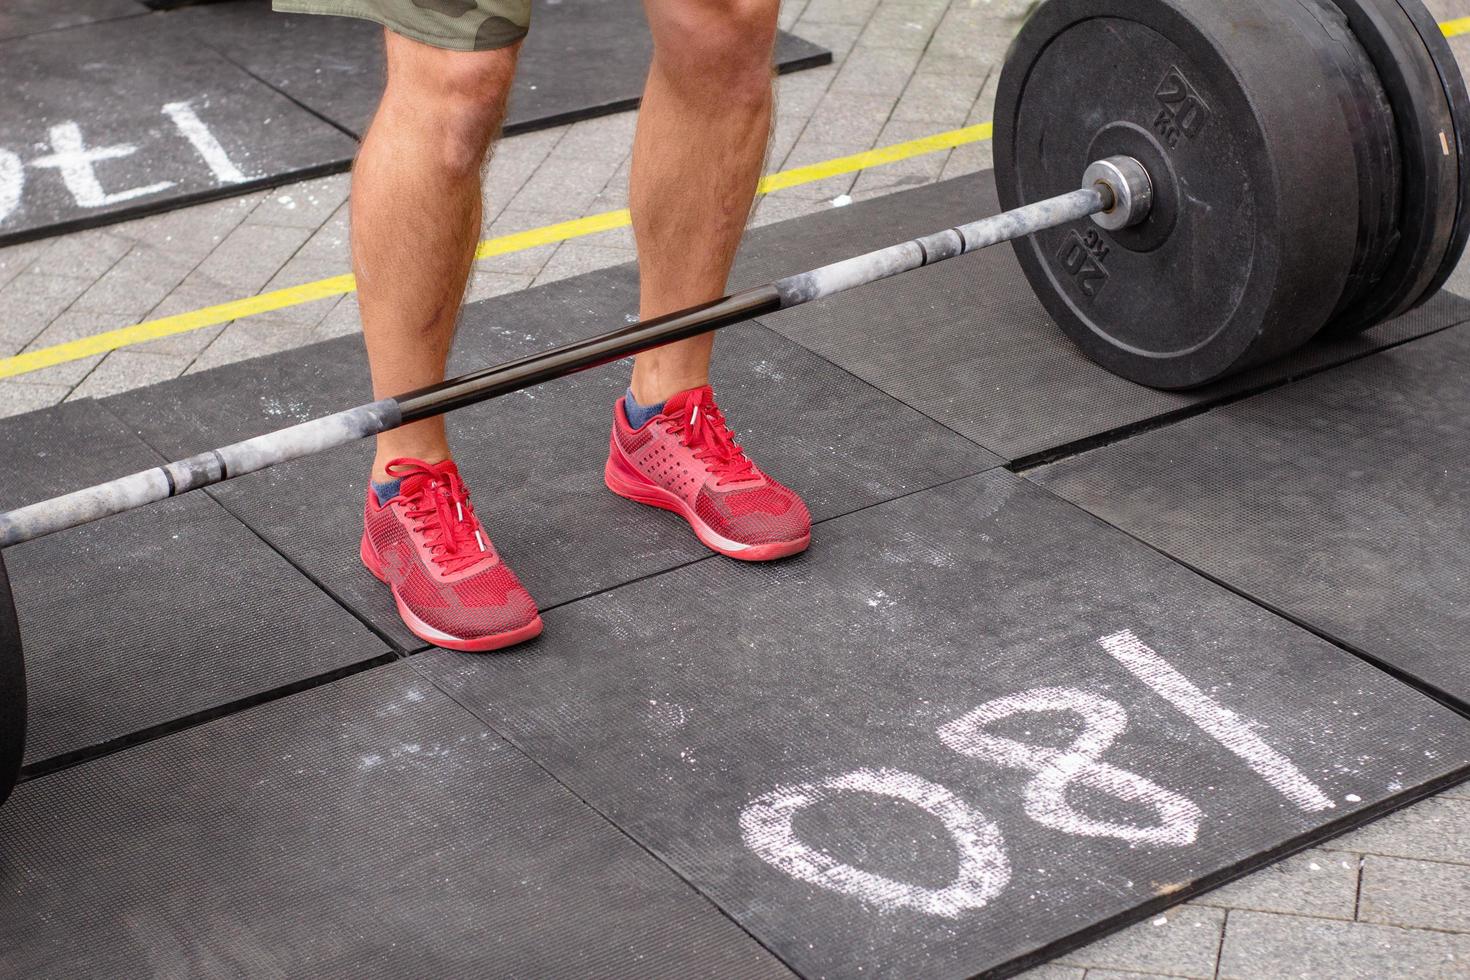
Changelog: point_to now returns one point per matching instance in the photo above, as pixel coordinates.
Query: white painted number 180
(984, 870)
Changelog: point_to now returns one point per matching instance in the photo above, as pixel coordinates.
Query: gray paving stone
(1264, 946)
(1433, 830)
(904, 24)
(837, 12)
(836, 36)
(29, 303)
(303, 205)
(968, 159)
(302, 272)
(938, 100)
(810, 151)
(124, 370)
(984, 110)
(876, 71)
(904, 174)
(1416, 894)
(579, 166)
(190, 234)
(575, 258)
(784, 137)
(73, 325)
(849, 119)
(330, 243)
(1462, 791)
(1051, 971)
(784, 207)
(512, 162)
(562, 192)
(484, 284)
(1315, 882)
(791, 10)
(83, 255)
(255, 337)
(1125, 975)
(614, 194)
(1183, 941)
(15, 259)
(344, 319)
(19, 397)
(249, 256)
(185, 298)
(526, 261)
(138, 281)
(69, 374)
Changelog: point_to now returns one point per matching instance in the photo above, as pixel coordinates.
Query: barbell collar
(1127, 183)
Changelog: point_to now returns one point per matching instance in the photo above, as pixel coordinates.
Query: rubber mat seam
(516, 746)
(1251, 863)
(288, 97)
(1458, 706)
(223, 505)
(1000, 459)
(152, 733)
(716, 557)
(157, 207)
(1022, 465)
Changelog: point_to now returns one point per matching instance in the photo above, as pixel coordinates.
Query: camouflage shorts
(459, 25)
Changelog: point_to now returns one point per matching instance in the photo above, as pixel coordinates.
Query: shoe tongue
(682, 402)
(415, 481)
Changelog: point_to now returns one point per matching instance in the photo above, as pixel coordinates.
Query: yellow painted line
(111, 340)
(309, 292)
(549, 234)
(876, 158)
(1454, 28)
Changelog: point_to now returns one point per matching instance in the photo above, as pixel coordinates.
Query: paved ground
(1390, 900)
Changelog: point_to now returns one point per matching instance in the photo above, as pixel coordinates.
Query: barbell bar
(237, 459)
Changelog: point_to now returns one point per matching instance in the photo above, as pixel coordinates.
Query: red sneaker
(686, 460)
(451, 587)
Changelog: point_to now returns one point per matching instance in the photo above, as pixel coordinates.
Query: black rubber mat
(534, 460)
(1339, 500)
(134, 116)
(149, 617)
(583, 58)
(862, 755)
(370, 828)
(968, 344)
(20, 18)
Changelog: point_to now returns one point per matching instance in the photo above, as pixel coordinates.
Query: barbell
(1252, 174)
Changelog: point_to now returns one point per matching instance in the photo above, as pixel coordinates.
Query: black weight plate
(12, 689)
(1255, 223)
(1429, 151)
(1374, 130)
(1454, 85)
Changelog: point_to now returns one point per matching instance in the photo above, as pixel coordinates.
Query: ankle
(656, 391)
(432, 457)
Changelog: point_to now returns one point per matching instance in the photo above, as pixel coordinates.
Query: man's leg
(697, 158)
(416, 219)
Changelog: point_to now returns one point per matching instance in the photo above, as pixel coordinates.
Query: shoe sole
(429, 634)
(627, 482)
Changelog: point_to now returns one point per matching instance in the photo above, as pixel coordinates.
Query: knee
(721, 45)
(463, 128)
(456, 104)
